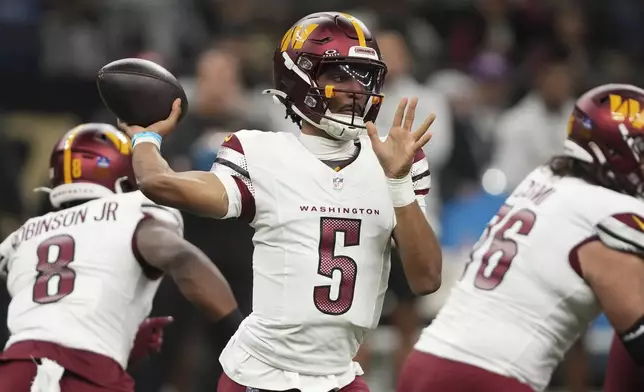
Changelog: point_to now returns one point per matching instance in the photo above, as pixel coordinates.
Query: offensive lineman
(324, 206)
(82, 278)
(567, 244)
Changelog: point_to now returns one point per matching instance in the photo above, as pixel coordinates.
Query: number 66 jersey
(521, 302)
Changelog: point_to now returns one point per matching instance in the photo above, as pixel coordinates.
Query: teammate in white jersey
(567, 244)
(82, 277)
(324, 206)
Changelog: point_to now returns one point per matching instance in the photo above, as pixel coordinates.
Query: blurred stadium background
(500, 74)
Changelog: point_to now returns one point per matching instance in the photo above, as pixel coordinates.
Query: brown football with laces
(139, 92)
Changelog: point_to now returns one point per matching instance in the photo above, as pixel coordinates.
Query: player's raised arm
(201, 193)
(614, 268)
(161, 247)
(416, 241)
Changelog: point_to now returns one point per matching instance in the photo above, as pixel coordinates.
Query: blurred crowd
(501, 76)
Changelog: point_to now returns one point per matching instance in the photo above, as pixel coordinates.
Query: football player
(567, 245)
(324, 205)
(82, 277)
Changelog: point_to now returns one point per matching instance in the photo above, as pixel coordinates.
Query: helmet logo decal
(331, 53)
(296, 36)
(622, 109)
(102, 162)
(587, 123)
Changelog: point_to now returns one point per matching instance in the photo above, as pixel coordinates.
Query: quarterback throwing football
(325, 206)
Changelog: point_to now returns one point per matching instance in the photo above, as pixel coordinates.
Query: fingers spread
(400, 112)
(410, 114)
(424, 127)
(423, 140)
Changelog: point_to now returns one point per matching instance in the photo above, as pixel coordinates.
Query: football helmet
(90, 161)
(314, 45)
(606, 132)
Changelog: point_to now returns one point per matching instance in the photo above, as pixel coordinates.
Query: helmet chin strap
(332, 124)
(335, 128)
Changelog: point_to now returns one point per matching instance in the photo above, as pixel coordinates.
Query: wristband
(147, 137)
(401, 191)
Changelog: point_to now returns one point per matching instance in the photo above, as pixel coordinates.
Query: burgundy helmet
(606, 131)
(90, 161)
(314, 43)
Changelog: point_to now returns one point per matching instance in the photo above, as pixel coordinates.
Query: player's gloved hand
(396, 153)
(148, 339)
(163, 127)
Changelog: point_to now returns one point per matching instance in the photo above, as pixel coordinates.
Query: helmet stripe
(356, 25)
(67, 155)
(123, 146)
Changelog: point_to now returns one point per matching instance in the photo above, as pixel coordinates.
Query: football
(139, 92)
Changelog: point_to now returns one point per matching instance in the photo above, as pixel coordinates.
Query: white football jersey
(521, 302)
(74, 278)
(322, 249)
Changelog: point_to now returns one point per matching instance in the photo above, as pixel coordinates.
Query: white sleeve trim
(422, 202)
(420, 175)
(619, 236)
(233, 193)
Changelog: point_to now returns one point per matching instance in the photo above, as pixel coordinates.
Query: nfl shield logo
(338, 182)
(103, 162)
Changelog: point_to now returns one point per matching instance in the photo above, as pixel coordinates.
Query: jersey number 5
(330, 262)
(502, 249)
(54, 256)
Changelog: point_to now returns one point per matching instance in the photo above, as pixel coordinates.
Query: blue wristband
(147, 136)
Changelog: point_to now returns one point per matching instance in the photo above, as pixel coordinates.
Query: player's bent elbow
(424, 273)
(425, 285)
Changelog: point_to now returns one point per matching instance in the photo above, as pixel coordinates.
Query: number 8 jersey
(75, 278)
(322, 251)
(521, 302)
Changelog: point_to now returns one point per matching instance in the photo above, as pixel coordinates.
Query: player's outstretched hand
(396, 153)
(163, 127)
(149, 338)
